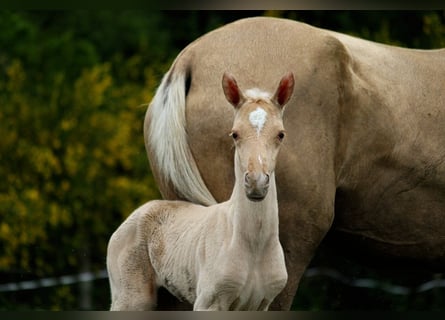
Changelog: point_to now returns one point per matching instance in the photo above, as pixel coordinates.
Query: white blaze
(258, 118)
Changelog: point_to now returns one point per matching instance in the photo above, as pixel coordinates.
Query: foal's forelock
(257, 94)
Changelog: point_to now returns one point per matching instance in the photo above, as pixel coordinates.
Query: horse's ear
(231, 90)
(284, 90)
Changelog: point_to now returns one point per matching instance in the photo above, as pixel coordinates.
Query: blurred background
(74, 88)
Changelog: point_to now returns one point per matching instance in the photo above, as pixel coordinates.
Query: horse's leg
(204, 303)
(216, 295)
(300, 235)
(135, 292)
(284, 299)
(214, 302)
(132, 278)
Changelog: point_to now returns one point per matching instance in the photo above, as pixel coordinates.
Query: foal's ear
(284, 90)
(231, 90)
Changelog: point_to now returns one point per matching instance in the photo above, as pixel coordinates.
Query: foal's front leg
(205, 303)
(213, 302)
(222, 296)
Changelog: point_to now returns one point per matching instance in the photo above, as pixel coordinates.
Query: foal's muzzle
(256, 185)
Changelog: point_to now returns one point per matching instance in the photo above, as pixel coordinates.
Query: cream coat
(366, 154)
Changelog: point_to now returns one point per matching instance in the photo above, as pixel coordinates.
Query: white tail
(168, 139)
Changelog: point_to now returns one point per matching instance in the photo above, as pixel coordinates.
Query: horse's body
(224, 257)
(367, 147)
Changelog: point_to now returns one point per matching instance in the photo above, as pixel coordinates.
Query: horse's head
(257, 132)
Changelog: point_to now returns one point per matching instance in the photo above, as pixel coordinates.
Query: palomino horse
(224, 257)
(366, 157)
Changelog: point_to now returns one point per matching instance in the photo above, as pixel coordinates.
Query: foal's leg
(264, 305)
(223, 297)
(209, 302)
(135, 289)
(204, 303)
(132, 278)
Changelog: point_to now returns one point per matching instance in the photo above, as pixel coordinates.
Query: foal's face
(257, 133)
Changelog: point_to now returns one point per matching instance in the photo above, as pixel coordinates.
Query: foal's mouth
(256, 196)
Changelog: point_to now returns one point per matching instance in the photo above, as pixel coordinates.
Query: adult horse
(366, 157)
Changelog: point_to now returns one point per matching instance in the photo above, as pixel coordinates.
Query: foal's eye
(280, 136)
(234, 135)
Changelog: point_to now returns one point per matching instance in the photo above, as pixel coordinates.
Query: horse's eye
(280, 136)
(234, 135)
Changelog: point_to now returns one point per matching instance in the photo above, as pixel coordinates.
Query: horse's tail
(166, 140)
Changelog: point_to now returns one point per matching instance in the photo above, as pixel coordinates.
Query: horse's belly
(407, 224)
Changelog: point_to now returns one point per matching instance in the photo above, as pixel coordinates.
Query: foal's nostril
(256, 181)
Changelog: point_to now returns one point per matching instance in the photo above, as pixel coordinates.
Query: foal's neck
(254, 222)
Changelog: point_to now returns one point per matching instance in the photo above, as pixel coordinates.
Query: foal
(223, 257)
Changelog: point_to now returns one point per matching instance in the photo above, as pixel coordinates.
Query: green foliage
(434, 29)
(74, 88)
(72, 152)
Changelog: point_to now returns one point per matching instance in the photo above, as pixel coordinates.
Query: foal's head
(257, 131)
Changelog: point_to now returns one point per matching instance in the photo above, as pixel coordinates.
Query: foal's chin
(256, 196)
